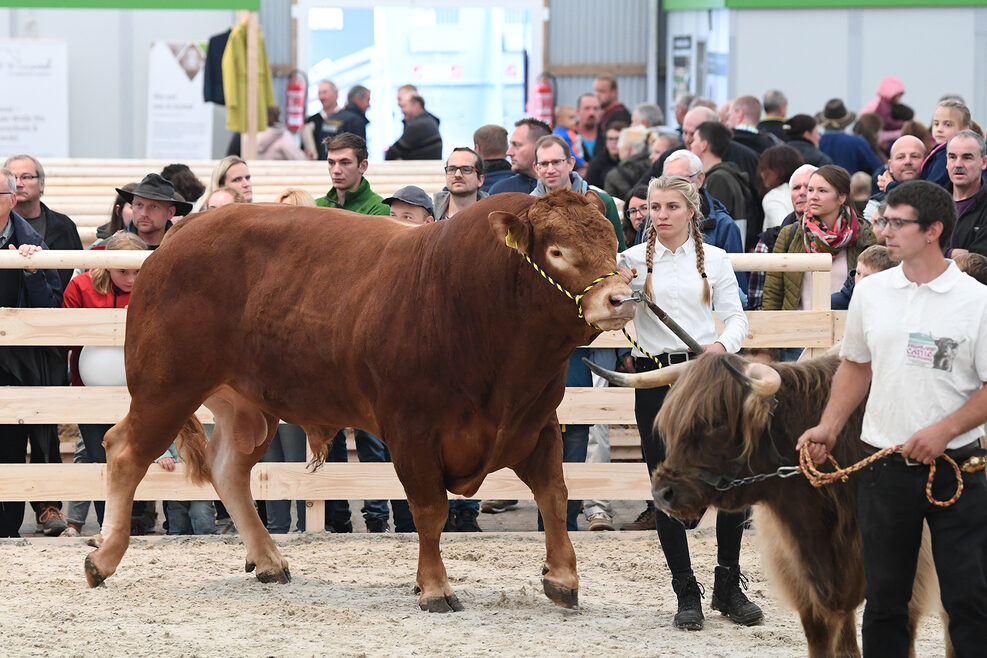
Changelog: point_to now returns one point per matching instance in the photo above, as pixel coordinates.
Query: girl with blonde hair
(100, 287)
(687, 279)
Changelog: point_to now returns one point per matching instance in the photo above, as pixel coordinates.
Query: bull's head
(712, 420)
(568, 237)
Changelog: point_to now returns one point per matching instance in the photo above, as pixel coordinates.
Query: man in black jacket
(27, 366)
(421, 139)
(56, 229)
(353, 117)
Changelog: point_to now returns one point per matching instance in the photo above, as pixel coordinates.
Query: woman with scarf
(829, 226)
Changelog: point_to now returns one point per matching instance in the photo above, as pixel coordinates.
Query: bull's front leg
(542, 472)
(430, 509)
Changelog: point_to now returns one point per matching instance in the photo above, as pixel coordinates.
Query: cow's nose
(664, 496)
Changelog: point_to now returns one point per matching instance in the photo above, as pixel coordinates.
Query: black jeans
(892, 505)
(671, 532)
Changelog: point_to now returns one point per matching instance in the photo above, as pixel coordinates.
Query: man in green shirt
(346, 155)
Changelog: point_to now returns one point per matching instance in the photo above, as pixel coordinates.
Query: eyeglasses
(640, 210)
(465, 169)
(545, 164)
(27, 178)
(8, 192)
(894, 222)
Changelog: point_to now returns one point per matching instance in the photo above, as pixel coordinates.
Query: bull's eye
(557, 253)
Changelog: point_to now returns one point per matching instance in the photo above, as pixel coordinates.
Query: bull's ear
(597, 202)
(511, 230)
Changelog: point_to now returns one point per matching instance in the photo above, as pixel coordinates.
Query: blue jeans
(891, 504)
(457, 504)
(575, 438)
(369, 449)
(288, 445)
(190, 517)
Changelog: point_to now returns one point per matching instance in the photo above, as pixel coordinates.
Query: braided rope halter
(578, 298)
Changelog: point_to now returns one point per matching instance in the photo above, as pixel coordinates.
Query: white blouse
(678, 290)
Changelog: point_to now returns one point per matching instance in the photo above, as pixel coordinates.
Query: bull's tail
(191, 445)
(319, 442)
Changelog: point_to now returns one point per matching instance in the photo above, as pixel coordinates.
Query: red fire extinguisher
(543, 105)
(296, 97)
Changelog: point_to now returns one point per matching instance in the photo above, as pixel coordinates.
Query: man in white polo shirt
(916, 335)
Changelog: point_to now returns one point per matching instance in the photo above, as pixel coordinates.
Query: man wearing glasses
(554, 166)
(464, 177)
(56, 229)
(27, 366)
(915, 348)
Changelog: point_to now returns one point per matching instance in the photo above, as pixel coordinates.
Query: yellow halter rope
(576, 298)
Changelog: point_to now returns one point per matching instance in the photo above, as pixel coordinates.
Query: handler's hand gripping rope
(818, 478)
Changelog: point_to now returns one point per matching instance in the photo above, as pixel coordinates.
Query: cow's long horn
(651, 379)
(762, 379)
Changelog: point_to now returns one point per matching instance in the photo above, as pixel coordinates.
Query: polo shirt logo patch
(925, 351)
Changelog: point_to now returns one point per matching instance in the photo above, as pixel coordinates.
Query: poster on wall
(34, 101)
(179, 122)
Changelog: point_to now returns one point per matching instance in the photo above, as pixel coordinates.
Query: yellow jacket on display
(235, 81)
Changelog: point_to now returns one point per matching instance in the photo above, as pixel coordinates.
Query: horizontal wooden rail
(96, 326)
(293, 481)
(35, 405)
(130, 258)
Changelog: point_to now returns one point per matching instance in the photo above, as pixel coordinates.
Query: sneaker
(225, 526)
(71, 531)
(497, 506)
(600, 521)
(690, 613)
(729, 597)
(466, 521)
(51, 521)
(342, 527)
(377, 525)
(645, 520)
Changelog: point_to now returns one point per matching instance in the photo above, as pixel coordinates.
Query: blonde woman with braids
(688, 279)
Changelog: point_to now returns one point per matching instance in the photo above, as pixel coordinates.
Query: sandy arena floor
(351, 596)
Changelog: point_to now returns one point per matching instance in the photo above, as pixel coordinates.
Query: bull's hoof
(441, 604)
(95, 541)
(249, 566)
(94, 576)
(282, 576)
(562, 596)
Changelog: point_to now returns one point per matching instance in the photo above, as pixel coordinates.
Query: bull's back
(260, 296)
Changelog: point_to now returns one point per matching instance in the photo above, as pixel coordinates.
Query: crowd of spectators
(768, 179)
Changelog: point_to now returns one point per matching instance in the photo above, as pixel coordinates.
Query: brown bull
(441, 340)
(725, 420)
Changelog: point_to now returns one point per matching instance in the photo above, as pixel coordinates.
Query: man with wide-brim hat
(154, 202)
(852, 152)
(835, 116)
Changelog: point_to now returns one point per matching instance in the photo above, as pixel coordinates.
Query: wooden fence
(814, 329)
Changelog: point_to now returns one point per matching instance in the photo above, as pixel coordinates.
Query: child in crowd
(412, 204)
(951, 116)
(186, 517)
(974, 265)
(872, 260)
(565, 127)
(100, 288)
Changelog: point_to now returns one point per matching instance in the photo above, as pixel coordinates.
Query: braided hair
(690, 194)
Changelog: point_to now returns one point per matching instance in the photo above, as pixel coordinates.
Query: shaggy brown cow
(725, 420)
(439, 339)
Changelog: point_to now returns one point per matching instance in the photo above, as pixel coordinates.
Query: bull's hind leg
(542, 472)
(430, 509)
(242, 436)
(131, 446)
